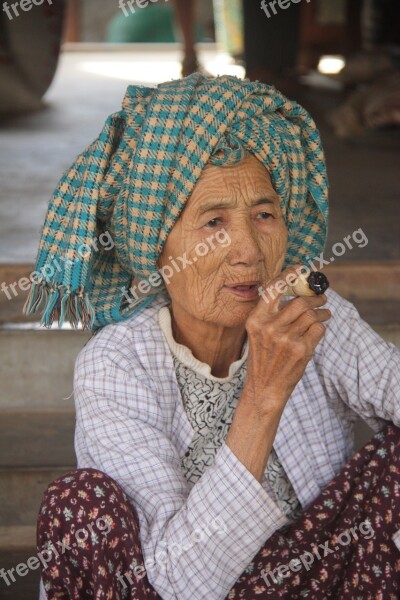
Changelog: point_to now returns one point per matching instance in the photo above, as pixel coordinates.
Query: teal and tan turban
(134, 180)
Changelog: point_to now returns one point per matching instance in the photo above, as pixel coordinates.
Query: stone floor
(36, 148)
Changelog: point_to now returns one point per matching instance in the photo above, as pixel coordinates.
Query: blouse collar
(185, 355)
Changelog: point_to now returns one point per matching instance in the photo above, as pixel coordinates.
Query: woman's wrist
(263, 401)
(252, 434)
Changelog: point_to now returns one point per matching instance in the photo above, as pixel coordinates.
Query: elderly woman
(214, 420)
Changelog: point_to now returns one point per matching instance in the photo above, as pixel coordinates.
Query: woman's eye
(213, 223)
(264, 215)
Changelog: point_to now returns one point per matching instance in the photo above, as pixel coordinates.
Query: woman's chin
(234, 314)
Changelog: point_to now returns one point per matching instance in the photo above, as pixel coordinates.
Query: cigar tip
(318, 282)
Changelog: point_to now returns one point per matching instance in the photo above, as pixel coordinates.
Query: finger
(272, 292)
(314, 335)
(291, 310)
(308, 318)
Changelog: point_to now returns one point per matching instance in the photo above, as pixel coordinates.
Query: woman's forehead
(249, 170)
(247, 177)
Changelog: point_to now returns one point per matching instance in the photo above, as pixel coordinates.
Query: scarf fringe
(61, 304)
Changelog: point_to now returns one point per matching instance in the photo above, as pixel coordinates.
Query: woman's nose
(244, 247)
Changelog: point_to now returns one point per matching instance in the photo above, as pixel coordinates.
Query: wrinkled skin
(212, 319)
(207, 317)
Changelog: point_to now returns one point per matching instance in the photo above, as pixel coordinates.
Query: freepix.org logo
(271, 7)
(23, 5)
(133, 5)
(306, 559)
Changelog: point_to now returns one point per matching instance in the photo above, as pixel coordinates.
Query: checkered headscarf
(134, 180)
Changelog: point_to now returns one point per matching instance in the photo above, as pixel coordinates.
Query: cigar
(314, 284)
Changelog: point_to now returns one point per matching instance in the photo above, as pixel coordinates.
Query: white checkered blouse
(210, 404)
(132, 425)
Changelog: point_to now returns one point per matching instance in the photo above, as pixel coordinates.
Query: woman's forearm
(282, 339)
(252, 435)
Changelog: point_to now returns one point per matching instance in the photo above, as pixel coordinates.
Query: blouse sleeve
(358, 367)
(196, 542)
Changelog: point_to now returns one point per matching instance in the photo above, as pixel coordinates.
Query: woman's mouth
(248, 290)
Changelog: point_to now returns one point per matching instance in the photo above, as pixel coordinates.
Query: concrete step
(358, 282)
(17, 537)
(12, 297)
(21, 493)
(36, 366)
(374, 288)
(365, 281)
(390, 333)
(36, 438)
(362, 434)
(17, 547)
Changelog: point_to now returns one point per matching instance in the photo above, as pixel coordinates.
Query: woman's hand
(282, 338)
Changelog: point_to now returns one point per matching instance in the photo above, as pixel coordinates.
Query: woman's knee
(80, 485)
(83, 502)
(76, 478)
(85, 523)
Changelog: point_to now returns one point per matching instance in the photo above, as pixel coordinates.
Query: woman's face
(230, 239)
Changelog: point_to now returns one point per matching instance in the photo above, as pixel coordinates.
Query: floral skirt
(340, 548)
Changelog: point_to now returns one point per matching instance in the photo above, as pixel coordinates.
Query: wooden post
(72, 30)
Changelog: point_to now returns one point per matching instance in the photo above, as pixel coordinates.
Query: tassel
(71, 312)
(76, 310)
(37, 293)
(49, 314)
(31, 299)
(86, 313)
(60, 303)
(63, 308)
(89, 312)
(38, 301)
